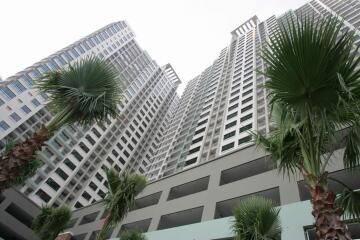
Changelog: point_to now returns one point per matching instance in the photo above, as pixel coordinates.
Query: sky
(188, 34)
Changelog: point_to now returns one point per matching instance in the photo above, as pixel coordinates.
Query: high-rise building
(221, 105)
(75, 158)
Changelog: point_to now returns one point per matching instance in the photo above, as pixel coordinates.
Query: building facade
(225, 101)
(75, 158)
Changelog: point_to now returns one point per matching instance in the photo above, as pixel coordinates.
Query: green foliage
(123, 189)
(256, 218)
(86, 92)
(132, 235)
(27, 171)
(314, 79)
(8, 146)
(50, 222)
(349, 201)
(311, 65)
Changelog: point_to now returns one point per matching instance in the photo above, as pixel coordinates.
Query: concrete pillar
(289, 192)
(64, 236)
(210, 205)
(155, 220)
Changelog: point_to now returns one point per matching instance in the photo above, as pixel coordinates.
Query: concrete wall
(16, 214)
(215, 193)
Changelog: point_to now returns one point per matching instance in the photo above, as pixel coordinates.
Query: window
(234, 99)
(190, 161)
(229, 125)
(6, 93)
(202, 122)
(35, 102)
(93, 186)
(245, 128)
(15, 117)
(194, 150)
(25, 109)
(69, 164)
(110, 161)
(28, 81)
(78, 205)
(116, 154)
(200, 130)
(86, 195)
(54, 185)
(244, 139)
(247, 100)
(84, 148)
(246, 117)
(232, 115)
(228, 135)
(61, 173)
(17, 86)
(227, 146)
(247, 92)
(197, 140)
(4, 126)
(101, 194)
(90, 139)
(246, 108)
(96, 132)
(233, 107)
(99, 177)
(77, 155)
(43, 195)
(122, 160)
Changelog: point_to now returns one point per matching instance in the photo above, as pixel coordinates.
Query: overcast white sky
(189, 34)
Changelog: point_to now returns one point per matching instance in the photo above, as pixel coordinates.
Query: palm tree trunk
(12, 162)
(327, 217)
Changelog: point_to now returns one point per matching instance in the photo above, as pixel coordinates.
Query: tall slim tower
(221, 105)
(75, 158)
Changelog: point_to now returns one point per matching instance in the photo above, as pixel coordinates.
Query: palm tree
(256, 218)
(27, 171)
(50, 222)
(123, 189)
(132, 235)
(314, 91)
(84, 93)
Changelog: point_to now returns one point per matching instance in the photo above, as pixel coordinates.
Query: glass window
(17, 86)
(6, 93)
(54, 185)
(61, 173)
(86, 195)
(4, 126)
(15, 117)
(227, 146)
(35, 102)
(43, 195)
(27, 80)
(69, 164)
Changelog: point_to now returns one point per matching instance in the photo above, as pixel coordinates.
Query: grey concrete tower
(221, 105)
(76, 158)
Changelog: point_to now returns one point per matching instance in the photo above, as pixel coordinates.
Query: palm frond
(28, 170)
(304, 61)
(86, 92)
(132, 235)
(349, 202)
(282, 142)
(352, 147)
(124, 188)
(50, 222)
(256, 218)
(9, 145)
